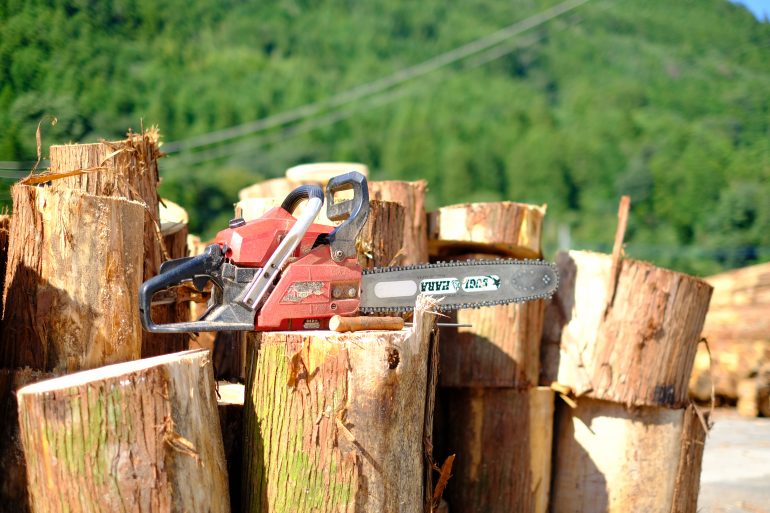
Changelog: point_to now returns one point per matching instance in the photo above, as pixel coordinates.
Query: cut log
(502, 442)
(503, 228)
(754, 394)
(13, 485)
(745, 286)
(5, 224)
(275, 188)
(254, 208)
(139, 436)
(411, 196)
(71, 288)
(637, 351)
(127, 169)
(334, 422)
(230, 405)
(381, 241)
(609, 459)
(322, 172)
(730, 362)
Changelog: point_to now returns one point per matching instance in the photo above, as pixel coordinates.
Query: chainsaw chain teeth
(458, 263)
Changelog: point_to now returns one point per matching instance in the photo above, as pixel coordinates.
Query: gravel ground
(736, 465)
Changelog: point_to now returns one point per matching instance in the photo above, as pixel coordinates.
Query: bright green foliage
(665, 101)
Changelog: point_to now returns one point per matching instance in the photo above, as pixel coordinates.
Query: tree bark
(334, 422)
(411, 196)
(230, 406)
(502, 442)
(503, 228)
(636, 348)
(610, 459)
(140, 436)
(381, 241)
(13, 485)
(71, 288)
(127, 169)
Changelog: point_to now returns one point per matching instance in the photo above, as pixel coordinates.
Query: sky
(760, 8)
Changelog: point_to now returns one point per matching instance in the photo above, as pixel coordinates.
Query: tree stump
(636, 348)
(335, 422)
(610, 459)
(139, 436)
(127, 169)
(411, 196)
(13, 485)
(501, 228)
(71, 288)
(381, 241)
(502, 442)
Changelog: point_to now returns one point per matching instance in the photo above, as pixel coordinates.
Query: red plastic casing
(312, 287)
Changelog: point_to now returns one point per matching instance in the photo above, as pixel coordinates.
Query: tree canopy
(665, 101)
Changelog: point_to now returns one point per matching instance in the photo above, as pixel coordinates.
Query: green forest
(668, 102)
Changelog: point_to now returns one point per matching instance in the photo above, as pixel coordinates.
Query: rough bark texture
(71, 288)
(334, 422)
(381, 241)
(502, 439)
(639, 350)
(609, 459)
(738, 332)
(411, 196)
(139, 436)
(13, 485)
(5, 224)
(127, 169)
(504, 228)
(177, 309)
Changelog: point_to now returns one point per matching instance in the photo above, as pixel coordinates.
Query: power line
(376, 86)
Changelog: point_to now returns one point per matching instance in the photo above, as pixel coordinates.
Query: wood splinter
(360, 323)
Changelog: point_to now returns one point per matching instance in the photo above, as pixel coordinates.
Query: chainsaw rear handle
(204, 266)
(354, 212)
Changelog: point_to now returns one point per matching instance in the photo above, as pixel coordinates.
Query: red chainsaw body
(312, 287)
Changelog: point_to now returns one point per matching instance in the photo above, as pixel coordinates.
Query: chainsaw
(282, 272)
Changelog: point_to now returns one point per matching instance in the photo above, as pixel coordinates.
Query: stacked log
(137, 436)
(71, 286)
(123, 169)
(335, 421)
(491, 414)
(624, 345)
(737, 329)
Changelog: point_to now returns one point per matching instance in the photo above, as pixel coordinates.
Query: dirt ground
(736, 465)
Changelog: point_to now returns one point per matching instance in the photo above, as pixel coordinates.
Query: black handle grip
(302, 192)
(354, 211)
(205, 264)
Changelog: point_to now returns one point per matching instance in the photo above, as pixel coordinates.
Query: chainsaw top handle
(353, 211)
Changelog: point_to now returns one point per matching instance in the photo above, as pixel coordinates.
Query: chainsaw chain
(458, 263)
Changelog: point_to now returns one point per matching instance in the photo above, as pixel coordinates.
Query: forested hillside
(666, 101)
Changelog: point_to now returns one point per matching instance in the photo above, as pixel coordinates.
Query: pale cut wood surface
(126, 169)
(745, 286)
(140, 436)
(334, 422)
(503, 228)
(610, 459)
(322, 172)
(71, 287)
(502, 439)
(13, 485)
(640, 350)
(411, 196)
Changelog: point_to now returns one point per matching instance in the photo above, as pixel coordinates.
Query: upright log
(139, 436)
(502, 442)
(13, 484)
(503, 228)
(610, 459)
(636, 347)
(334, 422)
(411, 196)
(381, 241)
(71, 288)
(127, 169)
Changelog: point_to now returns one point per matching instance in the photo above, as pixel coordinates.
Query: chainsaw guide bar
(458, 285)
